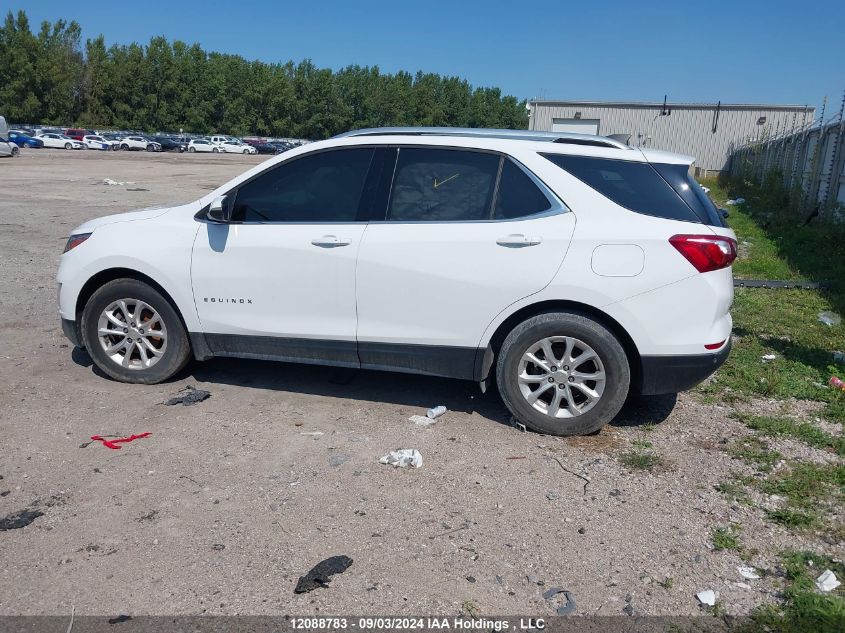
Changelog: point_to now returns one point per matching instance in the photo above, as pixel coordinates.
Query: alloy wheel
(132, 334)
(561, 376)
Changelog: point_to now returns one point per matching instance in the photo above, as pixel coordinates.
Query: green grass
(804, 609)
(726, 539)
(802, 431)
(755, 451)
(641, 460)
(777, 321)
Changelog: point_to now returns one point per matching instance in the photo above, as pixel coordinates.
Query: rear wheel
(563, 374)
(215, 150)
(133, 333)
(124, 147)
(192, 149)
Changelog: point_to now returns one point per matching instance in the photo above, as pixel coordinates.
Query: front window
(321, 187)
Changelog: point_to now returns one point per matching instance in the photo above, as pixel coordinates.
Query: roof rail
(520, 135)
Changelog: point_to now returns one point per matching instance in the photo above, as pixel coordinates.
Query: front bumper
(671, 374)
(72, 332)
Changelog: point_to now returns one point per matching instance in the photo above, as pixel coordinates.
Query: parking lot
(229, 501)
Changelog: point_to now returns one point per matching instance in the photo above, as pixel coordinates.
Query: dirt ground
(229, 501)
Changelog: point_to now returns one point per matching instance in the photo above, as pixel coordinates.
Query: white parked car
(7, 146)
(202, 145)
(217, 139)
(237, 147)
(95, 141)
(573, 268)
(136, 142)
(54, 139)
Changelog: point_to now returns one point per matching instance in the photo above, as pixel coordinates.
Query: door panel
(282, 274)
(262, 279)
(442, 284)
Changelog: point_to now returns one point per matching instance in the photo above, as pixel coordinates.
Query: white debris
(706, 189)
(707, 597)
(748, 572)
(742, 585)
(830, 318)
(312, 433)
(403, 458)
(421, 420)
(436, 412)
(731, 203)
(767, 357)
(827, 581)
(109, 181)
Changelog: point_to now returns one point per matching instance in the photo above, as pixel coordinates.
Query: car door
(465, 235)
(279, 280)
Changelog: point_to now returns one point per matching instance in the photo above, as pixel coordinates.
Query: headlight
(75, 240)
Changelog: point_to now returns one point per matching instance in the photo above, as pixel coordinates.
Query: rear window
(687, 187)
(633, 185)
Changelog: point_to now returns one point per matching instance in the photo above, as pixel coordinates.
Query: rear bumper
(671, 374)
(71, 332)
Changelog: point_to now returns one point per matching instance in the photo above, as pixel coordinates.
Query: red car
(77, 133)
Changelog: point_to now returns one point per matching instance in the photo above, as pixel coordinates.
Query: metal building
(707, 131)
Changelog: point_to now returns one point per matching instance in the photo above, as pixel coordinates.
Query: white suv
(573, 268)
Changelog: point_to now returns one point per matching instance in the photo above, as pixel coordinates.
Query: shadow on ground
(376, 386)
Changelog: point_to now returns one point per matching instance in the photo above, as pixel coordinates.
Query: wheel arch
(485, 357)
(110, 274)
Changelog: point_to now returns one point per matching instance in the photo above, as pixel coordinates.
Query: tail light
(75, 240)
(705, 252)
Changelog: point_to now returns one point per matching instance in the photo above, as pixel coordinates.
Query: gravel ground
(229, 501)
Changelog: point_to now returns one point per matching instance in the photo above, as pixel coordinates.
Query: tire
(68, 146)
(215, 151)
(15, 152)
(175, 347)
(590, 414)
(246, 151)
(192, 149)
(124, 147)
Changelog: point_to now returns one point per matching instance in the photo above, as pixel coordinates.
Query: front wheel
(68, 146)
(215, 150)
(563, 374)
(133, 333)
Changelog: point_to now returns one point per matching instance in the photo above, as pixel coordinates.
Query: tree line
(50, 77)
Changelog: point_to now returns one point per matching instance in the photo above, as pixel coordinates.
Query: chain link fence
(809, 158)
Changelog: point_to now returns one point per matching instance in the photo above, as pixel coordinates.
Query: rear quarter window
(634, 185)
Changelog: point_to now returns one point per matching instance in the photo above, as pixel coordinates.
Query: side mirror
(218, 211)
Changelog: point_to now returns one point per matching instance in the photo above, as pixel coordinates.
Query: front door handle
(331, 241)
(516, 240)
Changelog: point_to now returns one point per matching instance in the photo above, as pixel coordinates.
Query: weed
(803, 431)
(470, 608)
(755, 451)
(640, 443)
(804, 609)
(641, 460)
(726, 538)
(667, 583)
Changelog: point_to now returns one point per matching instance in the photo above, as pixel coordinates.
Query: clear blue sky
(730, 50)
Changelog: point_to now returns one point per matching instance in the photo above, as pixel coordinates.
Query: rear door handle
(518, 240)
(331, 241)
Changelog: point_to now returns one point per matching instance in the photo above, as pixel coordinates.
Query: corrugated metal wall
(688, 130)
